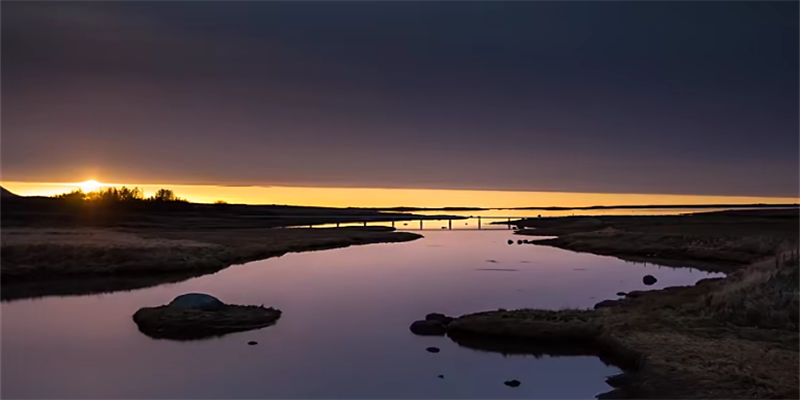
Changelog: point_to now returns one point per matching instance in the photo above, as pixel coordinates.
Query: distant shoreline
(615, 207)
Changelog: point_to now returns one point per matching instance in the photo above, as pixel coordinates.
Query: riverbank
(61, 247)
(735, 337)
(43, 261)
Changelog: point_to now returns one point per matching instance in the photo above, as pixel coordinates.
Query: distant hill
(6, 193)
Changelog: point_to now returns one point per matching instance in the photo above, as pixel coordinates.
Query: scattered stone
(513, 383)
(510, 241)
(198, 316)
(621, 293)
(649, 280)
(443, 319)
(252, 343)
(428, 328)
(197, 300)
(432, 350)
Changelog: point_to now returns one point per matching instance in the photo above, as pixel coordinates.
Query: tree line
(122, 194)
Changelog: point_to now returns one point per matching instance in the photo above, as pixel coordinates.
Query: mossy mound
(182, 323)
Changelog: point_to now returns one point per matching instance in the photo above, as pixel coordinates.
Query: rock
(428, 328)
(432, 350)
(441, 376)
(444, 319)
(605, 303)
(621, 293)
(513, 383)
(649, 280)
(510, 241)
(519, 241)
(252, 343)
(191, 323)
(197, 300)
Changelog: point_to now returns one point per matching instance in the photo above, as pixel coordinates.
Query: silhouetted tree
(73, 196)
(126, 194)
(165, 195)
(122, 194)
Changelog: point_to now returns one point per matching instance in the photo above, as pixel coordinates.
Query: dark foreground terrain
(52, 247)
(733, 337)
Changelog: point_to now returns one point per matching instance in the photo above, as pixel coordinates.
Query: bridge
(372, 220)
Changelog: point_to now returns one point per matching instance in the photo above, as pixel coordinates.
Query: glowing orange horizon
(372, 197)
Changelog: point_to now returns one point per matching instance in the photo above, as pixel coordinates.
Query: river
(344, 330)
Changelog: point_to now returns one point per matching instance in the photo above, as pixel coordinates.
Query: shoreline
(732, 337)
(40, 262)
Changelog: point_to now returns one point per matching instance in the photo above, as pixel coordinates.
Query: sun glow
(90, 185)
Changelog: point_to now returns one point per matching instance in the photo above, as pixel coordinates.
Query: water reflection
(344, 331)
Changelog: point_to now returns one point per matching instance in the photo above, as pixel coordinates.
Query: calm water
(497, 218)
(344, 331)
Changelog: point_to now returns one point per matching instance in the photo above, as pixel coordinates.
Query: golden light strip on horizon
(374, 197)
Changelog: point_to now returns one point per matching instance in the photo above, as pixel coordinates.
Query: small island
(194, 316)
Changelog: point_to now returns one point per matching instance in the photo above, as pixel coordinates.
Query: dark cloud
(656, 97)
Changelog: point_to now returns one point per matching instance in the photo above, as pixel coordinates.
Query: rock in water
(621, 293)
(519, 241)
(199, 317)
(197, 300)
(649, 280)
(252, 343)
(428, 328)
(441, 376)
(444, 319)
(510, 241)
(432, 350)
(512, 383)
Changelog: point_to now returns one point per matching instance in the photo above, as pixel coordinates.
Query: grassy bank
(49, 247)
(42, 261)
(66, 246)
(735, 337)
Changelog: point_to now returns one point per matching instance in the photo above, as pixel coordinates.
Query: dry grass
(735, 337)
(760, 297)
(32, 257)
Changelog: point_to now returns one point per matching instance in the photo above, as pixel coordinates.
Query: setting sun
(90, 185)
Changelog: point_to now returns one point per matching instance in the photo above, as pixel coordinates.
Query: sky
(695, 98)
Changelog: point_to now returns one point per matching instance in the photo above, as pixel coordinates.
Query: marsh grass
(735, 337)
